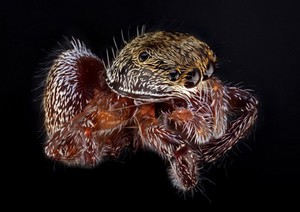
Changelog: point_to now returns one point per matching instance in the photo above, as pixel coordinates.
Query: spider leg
(194, 125)
(203, 117)
(170, 145)
(76, 144)
(243, 106)
(92, 135)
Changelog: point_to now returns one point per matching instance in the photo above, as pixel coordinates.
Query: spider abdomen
(70, 85)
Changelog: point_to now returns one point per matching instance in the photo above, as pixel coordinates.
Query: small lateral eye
(174, 75)
(143, 56)
(209, 71)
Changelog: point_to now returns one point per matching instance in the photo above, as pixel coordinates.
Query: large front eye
(174, 75)
(192, 78)
(143, 56)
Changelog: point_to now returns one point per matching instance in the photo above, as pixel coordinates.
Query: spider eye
(209, 71)
(192, 78)
(174, 75)
(143, 56)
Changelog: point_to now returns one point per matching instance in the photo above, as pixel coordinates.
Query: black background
(257, 43)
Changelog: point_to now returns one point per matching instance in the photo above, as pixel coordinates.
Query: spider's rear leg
(76, 145)
(170, 145)
(82, 147)
(90, 136)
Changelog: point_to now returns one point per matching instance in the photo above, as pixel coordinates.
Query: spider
(159, 93)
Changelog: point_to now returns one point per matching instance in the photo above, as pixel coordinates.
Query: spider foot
(184, 172)
(76, 148)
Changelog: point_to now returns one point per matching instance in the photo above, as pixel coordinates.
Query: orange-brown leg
(170, 145)
(93, 134)
(243, 107)
(195, 126)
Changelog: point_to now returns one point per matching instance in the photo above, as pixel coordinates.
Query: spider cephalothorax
(158, 93)
(160, 65)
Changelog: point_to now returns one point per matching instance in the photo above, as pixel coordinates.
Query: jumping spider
(158, 93)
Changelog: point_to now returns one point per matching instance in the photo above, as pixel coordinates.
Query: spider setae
(159, 92)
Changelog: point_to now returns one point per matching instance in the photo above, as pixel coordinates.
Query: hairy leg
(204, 116)
(95, 133)
(243, 106)
(170, 145)
(194, 124)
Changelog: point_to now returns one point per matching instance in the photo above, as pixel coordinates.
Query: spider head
(160, 65)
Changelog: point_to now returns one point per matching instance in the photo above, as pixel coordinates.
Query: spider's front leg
(170, 145)
(242, 106)
(193, 121)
